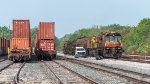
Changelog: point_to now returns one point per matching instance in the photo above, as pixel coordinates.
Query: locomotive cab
(113, 45)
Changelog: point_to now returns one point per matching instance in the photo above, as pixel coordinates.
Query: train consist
(20, 44)
(4, 43)
(45, 41)
(104, 45)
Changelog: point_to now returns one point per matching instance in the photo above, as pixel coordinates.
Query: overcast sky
(71, 15)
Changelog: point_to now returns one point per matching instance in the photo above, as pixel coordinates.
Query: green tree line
(135, 39)
(7, 34)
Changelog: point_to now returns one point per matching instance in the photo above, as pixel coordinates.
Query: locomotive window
(119, 38)
(113, 38)
(107, 39)
(101, 38)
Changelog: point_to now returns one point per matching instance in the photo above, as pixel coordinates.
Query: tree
(5, 32)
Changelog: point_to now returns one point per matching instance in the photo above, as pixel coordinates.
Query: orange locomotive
(104, 45)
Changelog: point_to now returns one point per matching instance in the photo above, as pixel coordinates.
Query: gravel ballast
(98, 76)
(142, 68)
(5, 64)
(66, 76)
(36, 73)
(7, 75)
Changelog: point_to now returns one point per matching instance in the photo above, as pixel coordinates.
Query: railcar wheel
(116, 56)
(39, 57)
(76, 56)
(54, 56)
(50, 58)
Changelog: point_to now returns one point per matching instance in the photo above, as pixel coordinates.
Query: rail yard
(67, 70)
(87, 60)
(74, 42)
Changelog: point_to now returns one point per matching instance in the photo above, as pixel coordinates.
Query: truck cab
(80, 52)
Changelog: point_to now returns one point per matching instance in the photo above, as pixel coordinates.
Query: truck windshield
(80, 49)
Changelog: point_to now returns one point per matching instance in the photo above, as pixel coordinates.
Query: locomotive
(106, 44)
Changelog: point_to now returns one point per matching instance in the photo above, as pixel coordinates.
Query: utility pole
(9, 32)
(97, 30)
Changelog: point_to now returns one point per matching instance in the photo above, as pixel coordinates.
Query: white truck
(80, 52)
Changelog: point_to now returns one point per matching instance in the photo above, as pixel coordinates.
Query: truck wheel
(76, 56)
(84, 56)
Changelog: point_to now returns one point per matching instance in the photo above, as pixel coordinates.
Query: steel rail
(60, 82)
(90, 81)
(134, 76)
(16, 78)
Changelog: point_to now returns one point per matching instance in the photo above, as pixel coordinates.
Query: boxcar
(3, 46)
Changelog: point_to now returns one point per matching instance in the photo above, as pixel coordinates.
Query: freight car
(104, 45)
(20, 44)
(45, 41)
(69, 47)
(3, 46)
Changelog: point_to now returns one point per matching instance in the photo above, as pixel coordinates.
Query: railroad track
(5, 65)
(16, 78)
(132, 76)
(59, 81)
(10, 73)
(3, 58)
(136, 58)
(66, 75)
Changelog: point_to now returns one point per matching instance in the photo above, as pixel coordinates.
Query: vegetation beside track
(5, 32)
(136, 39)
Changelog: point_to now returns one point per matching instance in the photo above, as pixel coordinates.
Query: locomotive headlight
(107, 48)
(119, 48)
